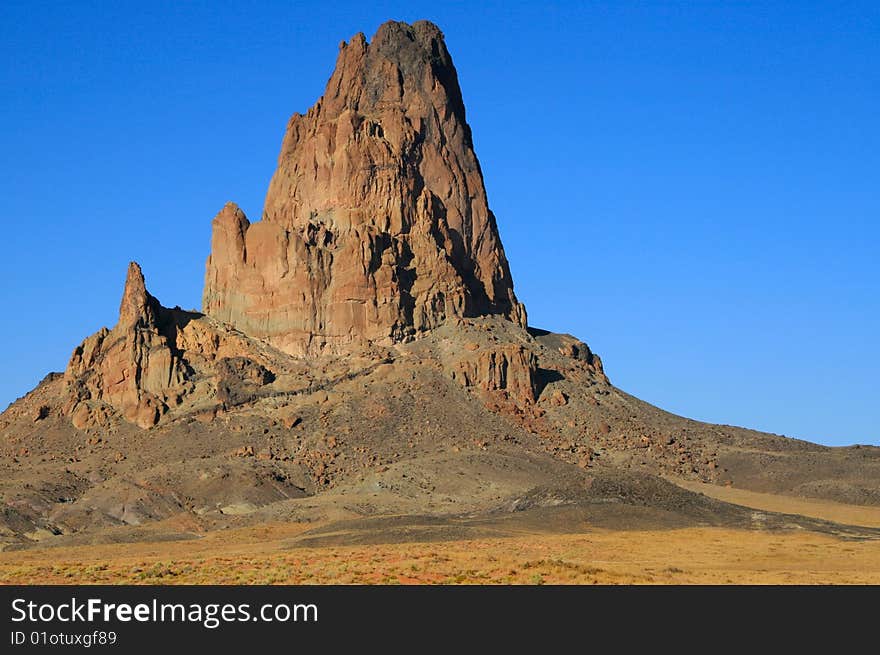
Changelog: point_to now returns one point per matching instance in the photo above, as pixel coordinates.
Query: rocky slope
(361, 352)
(173, 423)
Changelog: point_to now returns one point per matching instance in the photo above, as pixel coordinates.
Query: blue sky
(691, 188)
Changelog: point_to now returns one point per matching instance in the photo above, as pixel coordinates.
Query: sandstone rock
(239, 380)
(376, 225)
(130, 367)
(244, 370)
(243, 451)
(506, 367)
(376, 229)
(80, 416)
(155, 359)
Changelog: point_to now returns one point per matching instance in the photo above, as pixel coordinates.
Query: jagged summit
(137, 304)
(376, 225)
(376, 228)
(364, 79)
(129, 369)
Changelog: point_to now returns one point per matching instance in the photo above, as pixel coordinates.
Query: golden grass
(259, 556)
(819, 509)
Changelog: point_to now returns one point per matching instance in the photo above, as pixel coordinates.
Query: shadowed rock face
(376, 225)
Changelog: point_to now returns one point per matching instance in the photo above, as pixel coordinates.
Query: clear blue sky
(692, 188)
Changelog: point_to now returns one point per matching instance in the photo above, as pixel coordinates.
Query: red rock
(129, 367)
(376, 225)
(507, 367)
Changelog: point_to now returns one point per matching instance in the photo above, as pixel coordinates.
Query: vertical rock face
(376, 224)
(508, 367)
(131, 368)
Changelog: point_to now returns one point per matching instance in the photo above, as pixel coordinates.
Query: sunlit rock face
(376, 225)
